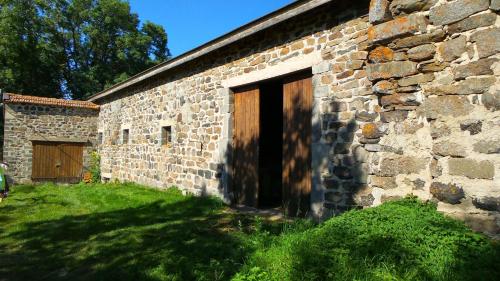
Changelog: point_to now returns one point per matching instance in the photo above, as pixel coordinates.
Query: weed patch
(402, 240)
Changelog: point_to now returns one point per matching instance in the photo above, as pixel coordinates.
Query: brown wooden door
(71, 159)
(246, 145)
(55, 161)
(45, 155)
(297, 114)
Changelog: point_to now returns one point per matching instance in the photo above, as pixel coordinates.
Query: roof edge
(266, 21)
(26, 99)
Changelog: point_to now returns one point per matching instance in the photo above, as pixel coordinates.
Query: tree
(74, 48)
(29, 61)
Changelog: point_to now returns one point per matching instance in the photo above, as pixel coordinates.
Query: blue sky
(190, 23)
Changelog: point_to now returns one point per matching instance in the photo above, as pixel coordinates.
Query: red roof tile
(15, 98)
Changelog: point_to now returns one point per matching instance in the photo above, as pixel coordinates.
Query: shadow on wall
(339, 169)
(345, 178)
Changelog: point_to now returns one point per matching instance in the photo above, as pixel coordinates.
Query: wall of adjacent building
(25, 123)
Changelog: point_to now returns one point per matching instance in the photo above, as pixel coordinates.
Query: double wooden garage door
(296, 154)
(57, 161)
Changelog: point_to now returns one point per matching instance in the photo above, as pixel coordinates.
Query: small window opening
(126, 134)
(166, 136)
(99, 138)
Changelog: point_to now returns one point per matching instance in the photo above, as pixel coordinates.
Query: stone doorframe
(225, 145)
(319, 151)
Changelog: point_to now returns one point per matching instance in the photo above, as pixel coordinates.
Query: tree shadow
(186, 240)
(346, 174)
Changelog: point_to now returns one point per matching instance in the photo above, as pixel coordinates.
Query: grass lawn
(127, 232)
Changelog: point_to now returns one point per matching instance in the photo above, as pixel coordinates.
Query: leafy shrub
(401, 240)
(95, 166)
(253, 274)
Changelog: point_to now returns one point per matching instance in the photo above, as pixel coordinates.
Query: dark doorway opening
(271, 144)
(271, 159)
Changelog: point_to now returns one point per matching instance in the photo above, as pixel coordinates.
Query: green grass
(115, 232)
(128, 232)
(401, 240)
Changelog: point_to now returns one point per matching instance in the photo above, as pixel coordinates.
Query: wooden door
(45, 156)
(71, 160)
(55, 161)
(246, 145)
(297, 130)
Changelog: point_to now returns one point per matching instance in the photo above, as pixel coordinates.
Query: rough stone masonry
(434, 67)
(32, 119)
(406, 101)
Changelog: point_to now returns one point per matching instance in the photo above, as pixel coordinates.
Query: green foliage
(253, 274)
(403, 240)
(124, 231)
(95, 166)
(2, 121)
(74, 48)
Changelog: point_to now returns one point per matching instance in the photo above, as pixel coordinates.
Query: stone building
(322, 106)
(48, 139)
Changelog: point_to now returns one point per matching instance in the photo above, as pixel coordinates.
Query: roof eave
(7, 99)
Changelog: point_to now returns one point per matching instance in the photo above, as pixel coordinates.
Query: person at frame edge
(4, 185)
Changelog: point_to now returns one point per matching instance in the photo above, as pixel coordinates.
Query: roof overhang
(34, 100)
(269, 20)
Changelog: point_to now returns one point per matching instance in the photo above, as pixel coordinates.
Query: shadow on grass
(192, 239)
(184, 240)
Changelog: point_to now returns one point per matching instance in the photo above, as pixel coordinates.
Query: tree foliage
(74, 48)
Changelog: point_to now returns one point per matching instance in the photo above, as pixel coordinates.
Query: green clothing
(2, 180)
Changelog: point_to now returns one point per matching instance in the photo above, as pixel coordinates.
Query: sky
(190, 23)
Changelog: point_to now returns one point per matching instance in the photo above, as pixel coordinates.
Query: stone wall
(405, 102)
(27, 122)
(196, 100)
(434, 67)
